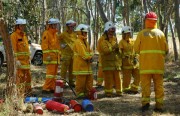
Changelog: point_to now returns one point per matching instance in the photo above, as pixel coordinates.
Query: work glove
(89, 60)
(115, 47)
(126, 56)
(63, 46)
(135, 61)
(18, 63)
(48, 58)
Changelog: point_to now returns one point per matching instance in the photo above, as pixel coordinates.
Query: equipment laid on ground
(87, 105)
(75, 105)
(36, 99)
(37, 108)
(56, 106)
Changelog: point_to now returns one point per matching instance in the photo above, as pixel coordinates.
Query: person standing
(152, 47)
(130, 64)
(67, 39)
(21, 51)
(82, 62)
(111, 60)
(51, 54)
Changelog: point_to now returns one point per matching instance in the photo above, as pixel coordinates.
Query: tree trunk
(113, 10)
(102, 14)
(177, 19)
(144, 2)
(10, 74)
(43, 16)
(141, 12)
(88, 19)
(174, 41)
(126, 5)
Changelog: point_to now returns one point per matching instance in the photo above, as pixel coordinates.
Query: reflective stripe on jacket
(151, 45)
(110, 59)
(128, 54)
(82, 56)
(67, 41)
(21, 48)
(50, 46)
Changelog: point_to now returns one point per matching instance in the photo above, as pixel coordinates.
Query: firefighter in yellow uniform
(51, 54)
(152, 48)
(111, 60)
(22, 56)
(67, 39)
(82, 62)
(130, 63)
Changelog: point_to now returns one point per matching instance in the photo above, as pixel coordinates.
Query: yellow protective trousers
(67, 65)
(127, 74)
(51, 74)
(158, 88)
(84, 84)
(112, 78)
(100, 77)
(23, 81)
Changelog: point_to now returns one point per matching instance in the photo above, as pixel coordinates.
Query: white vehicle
(36, 54)
(35, 50)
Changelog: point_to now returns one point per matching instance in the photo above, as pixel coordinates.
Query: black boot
(145, 107)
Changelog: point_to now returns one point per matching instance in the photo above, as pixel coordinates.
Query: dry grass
(117, 106)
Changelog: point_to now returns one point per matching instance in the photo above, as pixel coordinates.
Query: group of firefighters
(142, 59)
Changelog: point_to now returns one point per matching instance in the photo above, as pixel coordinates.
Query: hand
(135, 61)
(63, 46)
(18, 63)
(127, 56)
(90, 60)
(115, 47)
(48, 58)
(61, 59)
(116, 50)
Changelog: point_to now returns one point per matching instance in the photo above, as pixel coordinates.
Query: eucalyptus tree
(177, 19)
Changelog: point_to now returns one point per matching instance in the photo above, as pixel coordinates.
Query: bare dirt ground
(126, 105)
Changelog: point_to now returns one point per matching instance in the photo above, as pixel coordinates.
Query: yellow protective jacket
(128, 54)
(82, 56)
(152, 47)
(67, 41)
(21, 48)
(110, 59)
(50, 47)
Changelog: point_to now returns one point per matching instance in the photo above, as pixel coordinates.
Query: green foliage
(135, 4)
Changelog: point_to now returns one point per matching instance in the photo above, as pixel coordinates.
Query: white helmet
(71, 23)
(126, 29)
(53, 21)
(108, 25)
(20, 21)
(82, 27)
